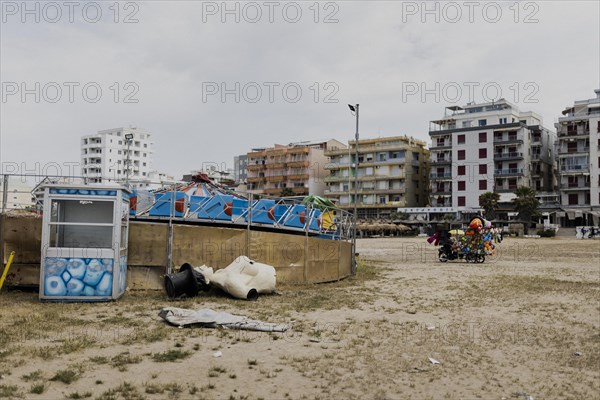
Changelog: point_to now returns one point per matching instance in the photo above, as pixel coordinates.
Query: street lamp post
(128, 139)
(354, 109)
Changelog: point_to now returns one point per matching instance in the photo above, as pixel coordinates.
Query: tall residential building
(298, 167)
(579, 154)
(488, 147)
(104, 156)
(392, 173)
(240, 168)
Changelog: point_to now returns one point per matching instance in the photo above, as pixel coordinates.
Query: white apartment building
(579, 154)
(104, 156)
(488, 147)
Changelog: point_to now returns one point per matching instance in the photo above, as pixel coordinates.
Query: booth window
(81, 224)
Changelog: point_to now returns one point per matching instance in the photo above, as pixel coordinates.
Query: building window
(460, 139)
(482, 122)
(503, 121)
(483, 184)
(462, 186)
(461, 154)
(482, 169)
(461, 201)
(461, 170)
(120, 142)
(482, 153)
(482, 137)
(573, 199)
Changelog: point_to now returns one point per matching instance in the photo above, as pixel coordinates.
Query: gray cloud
(368, 55)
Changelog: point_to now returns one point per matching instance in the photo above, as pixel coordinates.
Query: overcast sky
(166, 63)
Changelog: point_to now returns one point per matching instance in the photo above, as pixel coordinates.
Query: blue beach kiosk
(84, 242)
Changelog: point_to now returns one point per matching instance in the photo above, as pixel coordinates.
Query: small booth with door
(84, 242)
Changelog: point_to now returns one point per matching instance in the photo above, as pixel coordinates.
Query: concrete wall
(297, 258)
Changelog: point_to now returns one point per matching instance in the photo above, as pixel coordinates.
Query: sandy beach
(524, 323)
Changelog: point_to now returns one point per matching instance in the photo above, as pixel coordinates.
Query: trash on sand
(212, 319)
(434, 361)
(187, 282)
(578, 354)
(431, 328)
(243, 278)
(314, 340)
(217, 354)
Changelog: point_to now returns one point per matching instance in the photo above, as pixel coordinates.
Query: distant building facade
(489, 147)
(579, 160)
(296, 168)
(240, 168)
(18, 193)
(104, 156)
(392, 173)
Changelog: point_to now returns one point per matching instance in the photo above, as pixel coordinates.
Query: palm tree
(526, 204)
(489, 202)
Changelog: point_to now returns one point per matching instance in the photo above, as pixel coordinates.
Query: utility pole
(354, 109)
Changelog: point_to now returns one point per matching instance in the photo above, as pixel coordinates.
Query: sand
(524, 323)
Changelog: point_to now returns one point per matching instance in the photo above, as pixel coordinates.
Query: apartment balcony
(536, 157)
(441, 192)
(380, 177)
(332, 165)
(445, 146)
(438, 177)
(255, 167)
(441, 161)
(276, 178)
(335, 178)
(508, 140)
(509, 172)
(508, 156)
(298, 164)
(575, 169)
(441, 202)
(575, 186)
(580, 131)
(298, 177)
(256, 179)
(275, 165)
(564, 152)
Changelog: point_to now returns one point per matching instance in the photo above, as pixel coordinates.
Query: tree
(489, 202)
(286, 192)
(526, 204)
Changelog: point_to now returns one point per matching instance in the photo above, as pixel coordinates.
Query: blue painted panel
(260, 211)
(293, 220)
(214, 209)
(71, 277)
(162, 204)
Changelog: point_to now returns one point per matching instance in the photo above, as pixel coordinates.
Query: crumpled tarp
(212, 319)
